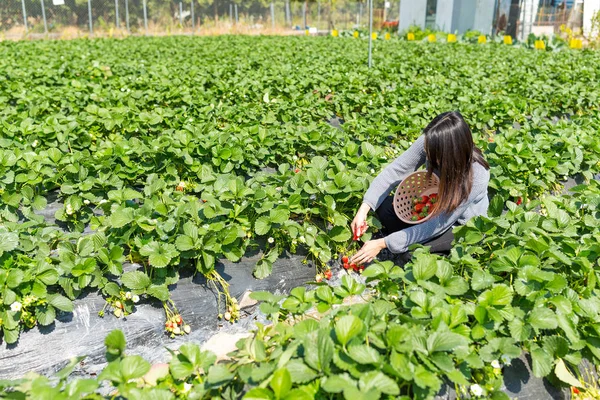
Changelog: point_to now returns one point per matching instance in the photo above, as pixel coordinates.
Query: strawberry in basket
(423, 206)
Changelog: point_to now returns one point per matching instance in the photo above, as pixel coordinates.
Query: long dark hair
(450, 149)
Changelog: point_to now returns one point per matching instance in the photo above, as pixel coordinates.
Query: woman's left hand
(368, 252)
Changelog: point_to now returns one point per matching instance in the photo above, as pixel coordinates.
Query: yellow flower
(410, 36)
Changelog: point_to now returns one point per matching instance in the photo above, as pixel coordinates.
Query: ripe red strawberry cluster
(353, 267)
(423, 206)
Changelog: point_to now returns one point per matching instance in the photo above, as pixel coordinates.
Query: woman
(446, 147)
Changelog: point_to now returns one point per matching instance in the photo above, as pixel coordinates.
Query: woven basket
(415, 184)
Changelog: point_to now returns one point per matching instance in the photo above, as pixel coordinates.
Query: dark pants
(442, 244)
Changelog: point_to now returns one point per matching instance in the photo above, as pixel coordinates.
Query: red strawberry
(519, 201)
(419, 207)
(353, 266)
(179, 320)
(361, 268)
(346, 266)
(345, 260)
(327, 274)
(424, 199)
(575, 390)
(416, 200)
(429, 204)
(297, 170)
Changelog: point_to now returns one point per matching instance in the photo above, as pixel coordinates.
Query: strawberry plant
(172, 161)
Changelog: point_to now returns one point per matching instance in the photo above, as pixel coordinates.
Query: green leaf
(563, 373)
(445, 341)
(184, 243)
(347, 327)
(424, 267)
(364, 354)
(121, 217)
(133, 367)
(45, 315)
(160, 292)
(135, 280)
(218, 375)
(115, 343)
(542, 318)
(542, 362)
(499, 295)
(279, 215)
(263, 269)
(300, 372)
(281, 383)
(326, 349)
(426, 379)
(377, 380)
(262, 226)
(481, 280)
(258, 394)
(8, 241)
(340, 234)
(60, 302)
(337, 383)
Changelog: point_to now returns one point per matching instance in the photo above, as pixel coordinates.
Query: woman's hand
(368, 252)
(359, 223)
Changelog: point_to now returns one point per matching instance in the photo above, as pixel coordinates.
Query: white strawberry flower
(103, 201)
(35, 143)
(505, 359)
(86, 202)
(301, 239)
(476, 390)
(187, 387)
(496, 364)
(270, 240)
(135, 298)
(69, 209)
(16, 306)
(128, 295)
(372, 171)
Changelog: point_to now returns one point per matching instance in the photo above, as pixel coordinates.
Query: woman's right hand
(359, 223)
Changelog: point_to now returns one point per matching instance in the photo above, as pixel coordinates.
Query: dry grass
(221, 28)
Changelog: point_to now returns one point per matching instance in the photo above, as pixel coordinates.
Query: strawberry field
(173, 153)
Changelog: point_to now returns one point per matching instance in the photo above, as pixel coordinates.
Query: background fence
(79, 17)
(76, 18)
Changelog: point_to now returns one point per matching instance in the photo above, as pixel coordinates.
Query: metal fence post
(304, 15)
(318, 14)
(288, 18)
(237, 20)
(370, 33)
(127, 14)
(117, 13)
(192, 15)
(24, 16)
(360, 10)
(145, 17)
(399, 2)
(90, 17)
(181, 14)
(273, 15)
(231, 13)
(44, 17)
